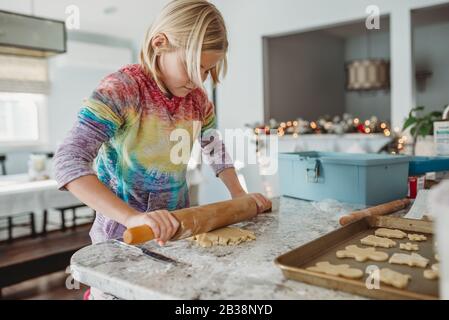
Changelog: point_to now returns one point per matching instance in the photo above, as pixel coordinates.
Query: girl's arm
(91, 191)
(98, 121)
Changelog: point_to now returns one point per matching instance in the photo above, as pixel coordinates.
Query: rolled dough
(225, 237)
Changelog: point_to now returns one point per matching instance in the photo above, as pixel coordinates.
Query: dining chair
(62, 212)
(10, 224)
(3, 164)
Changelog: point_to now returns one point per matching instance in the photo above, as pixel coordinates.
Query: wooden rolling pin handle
(379, 210)
(353, 217)
(138, 234)
(196, 220)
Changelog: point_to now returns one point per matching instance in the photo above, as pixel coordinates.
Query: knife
(149, 253)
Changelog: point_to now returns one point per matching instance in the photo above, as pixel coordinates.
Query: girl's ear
(159, 42)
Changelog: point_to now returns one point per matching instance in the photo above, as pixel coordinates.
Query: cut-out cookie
(409, 246)
(416, 237)
(224, 236)
(432, 273)
(412, 260)
(375, 241)
(394, 278)
(337, 270)
(362, 254)
(390, 233)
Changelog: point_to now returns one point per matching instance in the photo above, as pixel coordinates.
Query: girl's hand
(162, 222)
(263, 203)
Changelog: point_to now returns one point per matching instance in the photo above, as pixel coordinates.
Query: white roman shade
(23, 74)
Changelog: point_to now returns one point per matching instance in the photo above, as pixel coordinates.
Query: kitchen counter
(245, 271)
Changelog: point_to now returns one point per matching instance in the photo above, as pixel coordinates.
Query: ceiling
(130, 19)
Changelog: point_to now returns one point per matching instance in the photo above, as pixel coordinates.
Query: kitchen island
(245, 271)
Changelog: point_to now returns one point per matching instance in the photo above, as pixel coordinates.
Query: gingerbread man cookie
(409, 246)
(362, 254)
(416, 237)
(375, 241)
(412, 260)
(432, 273)
(394, 278)
(337, 270)
(390, 233)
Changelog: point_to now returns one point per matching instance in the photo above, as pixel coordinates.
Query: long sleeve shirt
(128, 133)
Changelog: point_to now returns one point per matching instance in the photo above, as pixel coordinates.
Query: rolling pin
(379, 210)
(200, 219)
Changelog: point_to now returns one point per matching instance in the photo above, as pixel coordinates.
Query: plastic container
(368, 179)
(422, 165)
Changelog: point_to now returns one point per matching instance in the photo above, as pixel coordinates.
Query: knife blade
(149, 253)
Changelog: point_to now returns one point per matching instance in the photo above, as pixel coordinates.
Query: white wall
(372, 103)
(241, 93)
(240, 96)
(430, 52)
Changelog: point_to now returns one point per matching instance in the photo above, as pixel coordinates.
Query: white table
(19, 195)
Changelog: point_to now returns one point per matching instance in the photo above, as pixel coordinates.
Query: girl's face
(174, 73)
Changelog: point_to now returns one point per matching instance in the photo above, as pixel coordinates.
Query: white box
(441, 137)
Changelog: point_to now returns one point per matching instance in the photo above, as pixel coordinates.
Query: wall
(248, 21)
(431, 52)
(241, 95)
(366, 104)
(305, 76)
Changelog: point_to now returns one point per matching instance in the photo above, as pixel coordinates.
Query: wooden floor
(35, 268)
(50, 287)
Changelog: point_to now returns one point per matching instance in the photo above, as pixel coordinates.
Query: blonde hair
(192, 26)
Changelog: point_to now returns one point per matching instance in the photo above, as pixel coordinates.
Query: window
(19, 118)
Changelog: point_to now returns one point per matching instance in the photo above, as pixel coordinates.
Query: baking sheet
(295, 262)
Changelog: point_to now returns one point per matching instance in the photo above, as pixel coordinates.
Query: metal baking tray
(294, 263)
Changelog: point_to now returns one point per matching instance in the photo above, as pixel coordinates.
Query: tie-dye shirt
(124, 129)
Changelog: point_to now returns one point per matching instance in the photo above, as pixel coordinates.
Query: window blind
(24, 74)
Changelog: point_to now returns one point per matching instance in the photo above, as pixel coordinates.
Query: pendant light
(368, 74)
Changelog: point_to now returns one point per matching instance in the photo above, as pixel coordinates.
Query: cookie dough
(394, 278)
(224, 236)
(362, 254)
(375, 241)
(432, 273)
(416, 237)
(390, 233)
(409, 246)
(337, 270)
(412, 260)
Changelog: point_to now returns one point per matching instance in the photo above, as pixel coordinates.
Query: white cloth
(18, 195)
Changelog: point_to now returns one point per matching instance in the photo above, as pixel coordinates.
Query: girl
(125, 125)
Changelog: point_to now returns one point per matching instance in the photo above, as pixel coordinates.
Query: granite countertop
(245, 271)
